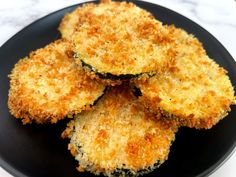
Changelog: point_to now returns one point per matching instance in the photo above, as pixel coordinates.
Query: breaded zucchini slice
(71, 21)
(48, 85)
(118, 40)
(119, 136)
(195, 90)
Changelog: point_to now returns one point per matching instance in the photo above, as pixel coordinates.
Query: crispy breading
(118, 40)
(72, 21)
(119, 136)
(48, 85)
(195, 90)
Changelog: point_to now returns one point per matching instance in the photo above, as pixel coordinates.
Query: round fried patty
(119, 136)
(195, 90)
(48, 85)
(118, 40)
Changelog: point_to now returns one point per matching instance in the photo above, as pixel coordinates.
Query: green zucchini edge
(109, 76)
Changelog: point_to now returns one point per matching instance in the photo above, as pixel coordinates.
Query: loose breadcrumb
(119, 136)
(195, 90)
(119, 39)
(48, 85)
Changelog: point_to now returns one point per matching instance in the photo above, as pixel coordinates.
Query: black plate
(38, 151)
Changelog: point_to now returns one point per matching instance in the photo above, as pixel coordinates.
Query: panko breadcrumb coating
(117, 40)
(195, 90)
(119, 136)
(48, 85)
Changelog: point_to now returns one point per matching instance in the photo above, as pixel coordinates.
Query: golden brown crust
(48, 85)
(195, 90)
(119, 133)
(118, 38)
(71, 20)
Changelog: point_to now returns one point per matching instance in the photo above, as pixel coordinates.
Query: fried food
(48, 85)
(195, 91)
(119, 136)
(118, 40)
(70, 22)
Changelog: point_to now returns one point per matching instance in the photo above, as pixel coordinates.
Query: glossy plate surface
(38, 150)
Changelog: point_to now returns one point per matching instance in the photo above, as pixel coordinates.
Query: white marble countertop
(217, 16)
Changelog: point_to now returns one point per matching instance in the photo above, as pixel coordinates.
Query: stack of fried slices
(127, 81)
